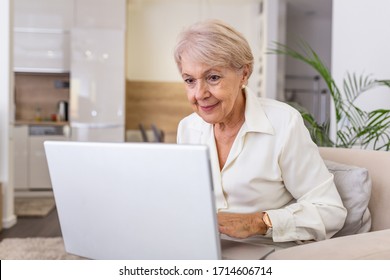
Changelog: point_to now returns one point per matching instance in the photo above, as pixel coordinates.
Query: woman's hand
(241, 225)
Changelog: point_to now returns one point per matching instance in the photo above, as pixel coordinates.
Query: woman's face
(215, 93)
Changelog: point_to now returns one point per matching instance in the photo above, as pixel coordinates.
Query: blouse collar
(256, 119)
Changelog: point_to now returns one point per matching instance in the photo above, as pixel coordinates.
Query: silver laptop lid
(134, 200)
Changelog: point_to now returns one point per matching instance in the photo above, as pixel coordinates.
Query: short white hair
(214, 43)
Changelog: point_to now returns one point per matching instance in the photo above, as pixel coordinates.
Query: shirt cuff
(283, 225)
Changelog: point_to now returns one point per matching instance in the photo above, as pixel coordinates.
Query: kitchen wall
(162, 104)
(37, 96)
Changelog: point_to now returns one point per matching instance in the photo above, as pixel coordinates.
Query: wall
(37, 95)
(153, 26)
(6, 84)
(274, 29)
(162, 104)
(315, 29)
(361, 44)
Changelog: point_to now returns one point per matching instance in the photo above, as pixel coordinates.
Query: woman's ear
(245, 74)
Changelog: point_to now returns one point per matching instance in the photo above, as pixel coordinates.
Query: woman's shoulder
(193, 121)
(267, 103)
(272, 106)
(190, 129)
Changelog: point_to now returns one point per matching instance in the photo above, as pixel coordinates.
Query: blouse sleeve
(317, 211)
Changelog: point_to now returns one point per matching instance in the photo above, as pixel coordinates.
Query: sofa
(374, 243)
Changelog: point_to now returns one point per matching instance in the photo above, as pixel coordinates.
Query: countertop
(48, 123)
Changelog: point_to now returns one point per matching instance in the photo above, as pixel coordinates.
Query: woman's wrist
(258, 224)
(267, 221)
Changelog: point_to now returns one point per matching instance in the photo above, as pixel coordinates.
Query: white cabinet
(97, 76)
(20, 141)
(30, 165)
(43, 14)
(42, 30)
(41, 51)
(97, 101)
(106, 14)
(42, 35)
(39, 178)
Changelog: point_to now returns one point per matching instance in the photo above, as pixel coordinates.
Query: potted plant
(355, 127)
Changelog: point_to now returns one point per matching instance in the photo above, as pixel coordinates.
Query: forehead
(193, 67)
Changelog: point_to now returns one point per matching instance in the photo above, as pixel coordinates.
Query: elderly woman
(269, 178)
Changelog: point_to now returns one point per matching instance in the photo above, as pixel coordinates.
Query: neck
(230, 126)
(234, 123)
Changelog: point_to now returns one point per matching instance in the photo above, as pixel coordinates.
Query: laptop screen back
(134, 200)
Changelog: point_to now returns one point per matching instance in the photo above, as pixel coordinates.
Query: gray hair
(214, 43)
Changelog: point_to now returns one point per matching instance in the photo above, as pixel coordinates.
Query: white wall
(6, 84)
(361, 44)
(153, 26)
(274, 28)
(152, 29)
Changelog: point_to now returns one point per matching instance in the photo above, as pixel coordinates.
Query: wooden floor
(34, 227)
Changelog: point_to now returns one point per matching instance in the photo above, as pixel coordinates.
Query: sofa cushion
(354, 186)
(368, 246)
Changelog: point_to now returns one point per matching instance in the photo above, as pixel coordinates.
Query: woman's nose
(201, 90)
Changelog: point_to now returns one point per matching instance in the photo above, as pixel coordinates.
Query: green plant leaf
(354, 125)
(310, 57)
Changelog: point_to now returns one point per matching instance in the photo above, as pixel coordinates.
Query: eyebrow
(207, 72)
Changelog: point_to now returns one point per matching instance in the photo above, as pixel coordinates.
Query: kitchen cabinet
(30, 165)
(20, 141)
(39, 178)
(43, 14)
(41, 51)
(97, 76)
(97, 87)
(100, 14)
(42, 35)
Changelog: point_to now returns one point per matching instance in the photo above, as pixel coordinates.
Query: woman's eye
(189, 81)
(214, 78)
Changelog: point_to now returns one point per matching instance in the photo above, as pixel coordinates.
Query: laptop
(139, 201)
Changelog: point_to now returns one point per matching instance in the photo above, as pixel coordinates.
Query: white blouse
(273, 166)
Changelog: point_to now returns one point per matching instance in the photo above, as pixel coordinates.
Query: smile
(208, 108)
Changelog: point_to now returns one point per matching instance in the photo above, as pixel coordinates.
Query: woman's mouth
(208, 108)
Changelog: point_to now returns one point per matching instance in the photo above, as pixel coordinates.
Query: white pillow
(354, 186)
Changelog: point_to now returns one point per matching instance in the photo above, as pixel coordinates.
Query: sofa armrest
(377, 163)
(370, 246)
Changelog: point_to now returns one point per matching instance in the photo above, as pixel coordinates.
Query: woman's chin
(209, 118)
